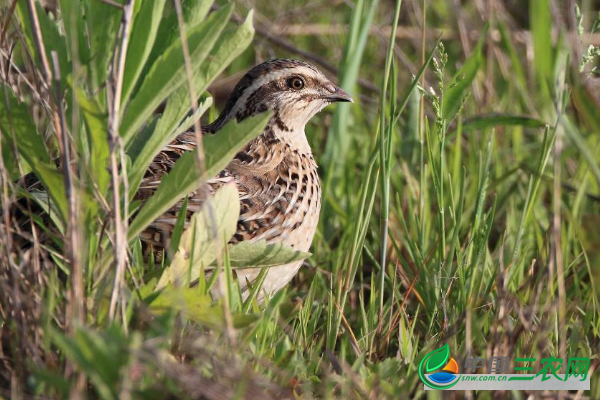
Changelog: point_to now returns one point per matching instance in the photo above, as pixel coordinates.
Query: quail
(275, 174)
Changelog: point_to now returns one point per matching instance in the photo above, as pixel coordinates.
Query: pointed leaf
(156, 139)
(96, 124)
(184, 178)
(231, 43)
(53, 40)
(209, 231)
(102, 27)
(492, 120)
(462, 80)
(16, 122)
(194, 12)
(260, 254)
(198, 308)
(168, 72)
(143, 33)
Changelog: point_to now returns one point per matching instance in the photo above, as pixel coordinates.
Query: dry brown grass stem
(76, 299)
(117, 169)
(39, 42)
(557, 257)
(40, 48)
(191, 89)
(9, 14)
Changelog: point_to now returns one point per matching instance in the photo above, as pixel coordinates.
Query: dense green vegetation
(461, 197)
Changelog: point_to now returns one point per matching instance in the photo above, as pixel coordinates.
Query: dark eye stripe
(255, 94)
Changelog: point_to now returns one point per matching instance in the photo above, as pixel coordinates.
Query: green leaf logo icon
(437, 358)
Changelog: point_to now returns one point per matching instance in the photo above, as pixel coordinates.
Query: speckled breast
(281, 205)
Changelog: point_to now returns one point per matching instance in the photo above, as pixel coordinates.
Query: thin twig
(116, 148)
(11, 64)
(353, 340)
(191, 89)
(41, 50)
(76, 304)
(9, 14)
(557, 228)
(5, 202)
(39, 42)
(72, 247)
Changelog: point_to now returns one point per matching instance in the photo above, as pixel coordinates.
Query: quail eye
(296, 83)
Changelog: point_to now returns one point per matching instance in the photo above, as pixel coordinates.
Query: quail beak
(340, 95)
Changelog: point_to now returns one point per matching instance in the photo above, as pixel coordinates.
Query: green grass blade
(260, 254)
(461, 82)
(204, 239)
(232, 42)
(481, 122)
(168, 72)
(338, 140)
(144, 28)
(16, 123)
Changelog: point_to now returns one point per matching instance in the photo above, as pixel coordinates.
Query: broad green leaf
(53, 40)
(143, 33)
(141, 138)
(73, 24)
(231, 43)
(96, 126)
(405, 339)
(198, 308)
(22, 13)
(190, 303)
(241, 320)
(492, 120)
(260, 254)
(102, 27)
(155, 141)
(168, 72)
(184, 178)
(16, 122)
(9, 160)
(461, 82)
(194, 13)
(437, 358)
(101, 355)
(204, 239)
